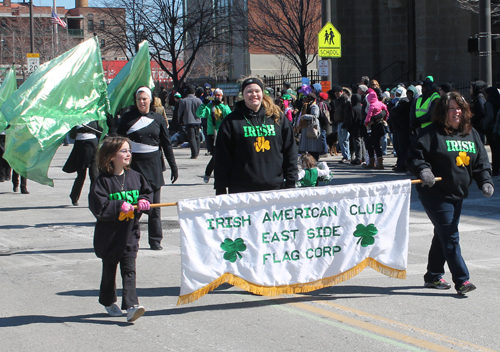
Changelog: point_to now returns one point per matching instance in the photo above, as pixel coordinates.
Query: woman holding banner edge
(452, 149)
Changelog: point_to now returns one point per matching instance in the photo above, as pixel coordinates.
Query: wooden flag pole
(173, 204)
(414, 182)
(159, 205)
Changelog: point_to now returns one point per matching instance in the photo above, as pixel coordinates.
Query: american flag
(56, 20)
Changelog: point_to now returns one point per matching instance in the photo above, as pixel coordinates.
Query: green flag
(67, 91)
(8, 87)
(136, 73)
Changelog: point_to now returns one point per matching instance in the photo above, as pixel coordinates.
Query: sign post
(329, 46)
(33, 61)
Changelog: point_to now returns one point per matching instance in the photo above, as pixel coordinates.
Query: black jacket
(254, 153)
(155, 134)
(399, 119)
(114, 239)
(458, 160)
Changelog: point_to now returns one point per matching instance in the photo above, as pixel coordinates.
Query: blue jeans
(343, 137)
(383, 141)
(445, 216)
(323, 141)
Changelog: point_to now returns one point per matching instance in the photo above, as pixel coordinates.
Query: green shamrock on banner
(233, 248)
(365, 234)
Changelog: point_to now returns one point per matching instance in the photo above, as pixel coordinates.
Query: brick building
(82, 22)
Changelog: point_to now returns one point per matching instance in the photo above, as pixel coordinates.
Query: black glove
(427, 177)
(487, 189)
(174, 175)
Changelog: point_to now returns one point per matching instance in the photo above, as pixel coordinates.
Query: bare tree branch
(175, 33)
(286, 27)
(473, 5)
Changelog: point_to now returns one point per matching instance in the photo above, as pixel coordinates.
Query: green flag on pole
(67, 91)
(8, 87)
(136, 73)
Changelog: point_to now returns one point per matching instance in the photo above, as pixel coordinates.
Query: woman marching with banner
(452, 149)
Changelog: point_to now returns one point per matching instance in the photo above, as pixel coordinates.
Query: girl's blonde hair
(307, 161)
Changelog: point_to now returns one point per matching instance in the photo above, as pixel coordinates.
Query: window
(103, 43)
(90, 25)
(102, 24)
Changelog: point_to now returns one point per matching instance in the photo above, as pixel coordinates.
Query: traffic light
(495, 45)
(473, 45)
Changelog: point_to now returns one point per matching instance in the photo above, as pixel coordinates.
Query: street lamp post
(485, 62)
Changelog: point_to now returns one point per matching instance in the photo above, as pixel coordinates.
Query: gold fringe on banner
(295, 288)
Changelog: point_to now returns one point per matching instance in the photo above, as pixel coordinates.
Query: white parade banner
(291, 241)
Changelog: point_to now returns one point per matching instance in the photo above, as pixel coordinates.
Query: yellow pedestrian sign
(329, 41)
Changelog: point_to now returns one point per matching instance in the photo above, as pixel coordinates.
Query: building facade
(406, 40)
(50, 41)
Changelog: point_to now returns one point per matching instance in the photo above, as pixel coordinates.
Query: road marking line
(341, 326)
(406, 326)
(391, 334)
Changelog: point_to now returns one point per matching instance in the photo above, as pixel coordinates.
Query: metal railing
(75, 32)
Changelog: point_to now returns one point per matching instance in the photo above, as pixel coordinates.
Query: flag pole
(56, 34)
(173, 204)
(414, 182)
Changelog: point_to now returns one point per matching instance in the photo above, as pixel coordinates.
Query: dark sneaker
(440, 285)
(467, 286)
(206, 178)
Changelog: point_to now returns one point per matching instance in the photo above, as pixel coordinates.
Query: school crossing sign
(329, 41)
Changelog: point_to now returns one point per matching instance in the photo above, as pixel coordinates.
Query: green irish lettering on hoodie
(461, 146)
(131, 197)
(259, 131)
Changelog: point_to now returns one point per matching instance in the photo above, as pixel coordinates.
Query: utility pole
(32, 28)
(326, 16)
(485, 63)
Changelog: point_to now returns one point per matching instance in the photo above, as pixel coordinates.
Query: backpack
(324, 114)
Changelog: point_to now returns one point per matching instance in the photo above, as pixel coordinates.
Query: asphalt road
(50, 282)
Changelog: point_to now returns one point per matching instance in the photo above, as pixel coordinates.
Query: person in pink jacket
(374, 122)
(375, 108)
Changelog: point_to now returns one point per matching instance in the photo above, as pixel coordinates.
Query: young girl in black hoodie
(116, 236)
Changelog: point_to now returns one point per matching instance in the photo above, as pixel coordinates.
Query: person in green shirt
(214, 111)
(312, 173)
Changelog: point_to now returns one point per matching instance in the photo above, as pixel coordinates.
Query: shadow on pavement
(37, 208)
(50, 251)
(45, 319)
(79, 224)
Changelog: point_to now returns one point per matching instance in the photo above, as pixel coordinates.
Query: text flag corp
(292, 241)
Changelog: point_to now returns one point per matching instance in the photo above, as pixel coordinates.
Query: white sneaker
(114, 310)
(206, 178)
(135, 312)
